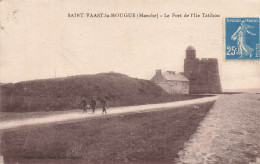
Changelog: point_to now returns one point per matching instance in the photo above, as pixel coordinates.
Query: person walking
(93, 104)
(84, 104)
(103, 104)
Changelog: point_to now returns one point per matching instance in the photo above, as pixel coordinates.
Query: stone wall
(178, 87)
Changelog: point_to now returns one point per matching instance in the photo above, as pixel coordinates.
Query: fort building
(171, 82)
(199, 76)
(203, 74)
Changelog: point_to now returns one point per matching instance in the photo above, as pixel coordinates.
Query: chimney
(158, 72)
(171, 72)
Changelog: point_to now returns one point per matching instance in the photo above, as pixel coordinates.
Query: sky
(38, 40)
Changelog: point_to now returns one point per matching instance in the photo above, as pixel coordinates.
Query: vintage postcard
(129, 81)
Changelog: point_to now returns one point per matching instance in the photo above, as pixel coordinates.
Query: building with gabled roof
(171, 82)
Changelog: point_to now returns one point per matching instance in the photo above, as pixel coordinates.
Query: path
(230, 133)
(61, 118)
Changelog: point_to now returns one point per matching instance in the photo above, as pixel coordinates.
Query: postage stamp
(242, 39)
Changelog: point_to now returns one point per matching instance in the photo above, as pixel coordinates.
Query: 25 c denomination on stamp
(242, 39)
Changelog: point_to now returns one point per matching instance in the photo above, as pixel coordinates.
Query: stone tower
(203, 74)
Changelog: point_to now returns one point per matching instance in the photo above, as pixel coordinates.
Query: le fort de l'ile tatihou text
(141, 15)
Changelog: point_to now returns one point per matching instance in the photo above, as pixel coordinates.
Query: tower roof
(190, 48)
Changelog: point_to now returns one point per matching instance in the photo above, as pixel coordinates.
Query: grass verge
(149, 137)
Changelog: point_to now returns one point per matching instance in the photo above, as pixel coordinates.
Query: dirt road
(61, 118)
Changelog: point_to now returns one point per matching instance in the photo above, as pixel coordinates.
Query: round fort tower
(191, 64)
(190, 53)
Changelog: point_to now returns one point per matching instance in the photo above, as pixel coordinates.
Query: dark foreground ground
(150, 137)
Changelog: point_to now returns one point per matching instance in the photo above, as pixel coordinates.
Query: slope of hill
(2, 83)
(65, 93)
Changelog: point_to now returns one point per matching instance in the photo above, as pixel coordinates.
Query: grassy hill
(65, 93)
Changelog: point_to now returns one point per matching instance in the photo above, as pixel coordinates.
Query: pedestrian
(103, 104)
(93, 104)
(84, 104)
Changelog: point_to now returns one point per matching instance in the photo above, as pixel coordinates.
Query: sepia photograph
(134, 82)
